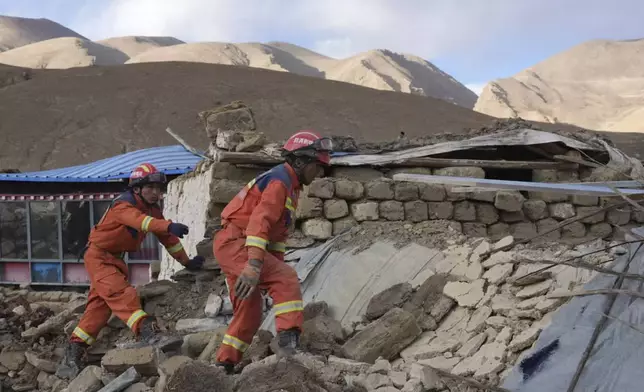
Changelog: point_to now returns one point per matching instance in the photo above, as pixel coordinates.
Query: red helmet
(311, 144)
(144, 174)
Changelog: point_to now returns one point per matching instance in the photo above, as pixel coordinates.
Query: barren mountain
(65, 52)
(597, 85)
(65, 117)
(135, 45)
(379, 69)
(16, 32)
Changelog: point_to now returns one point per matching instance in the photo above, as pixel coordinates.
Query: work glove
(196, 263)
(248, 279)
(178, 229)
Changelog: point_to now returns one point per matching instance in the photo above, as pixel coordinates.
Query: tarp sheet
(346, 282)
(616, 363)
(518, 137)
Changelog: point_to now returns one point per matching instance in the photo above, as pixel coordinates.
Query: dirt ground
(184, 299)
(66, 117)
(432, 234)
(196, 376)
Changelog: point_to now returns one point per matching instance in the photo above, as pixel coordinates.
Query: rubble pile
(473, 319)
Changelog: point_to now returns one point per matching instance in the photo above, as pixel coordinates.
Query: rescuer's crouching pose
(250, 248)
(122, 229)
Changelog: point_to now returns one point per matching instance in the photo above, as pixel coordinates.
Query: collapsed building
(448, 263)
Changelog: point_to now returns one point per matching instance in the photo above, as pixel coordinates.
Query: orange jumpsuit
(255, 224)
(121, 229)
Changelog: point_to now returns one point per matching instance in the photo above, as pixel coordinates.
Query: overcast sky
(473, 40)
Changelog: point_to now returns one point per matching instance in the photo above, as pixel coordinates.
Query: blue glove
(196, 263)
(178, 229)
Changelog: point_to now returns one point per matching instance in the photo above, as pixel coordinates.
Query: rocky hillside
(378, 69)
(57, 118)
(597, 85)
(134, 45)
(16, 32)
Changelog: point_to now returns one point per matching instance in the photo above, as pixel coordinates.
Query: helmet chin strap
(140, 195)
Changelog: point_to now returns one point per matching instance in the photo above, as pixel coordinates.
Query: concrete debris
(214, 304)
(125, 380)
(385, 337)
(145, 360)
(199, 325)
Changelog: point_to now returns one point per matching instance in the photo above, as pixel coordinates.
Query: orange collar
(291, 172)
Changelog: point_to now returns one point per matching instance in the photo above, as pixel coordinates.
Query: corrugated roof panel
(168, 159)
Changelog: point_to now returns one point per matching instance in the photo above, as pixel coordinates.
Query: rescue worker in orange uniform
(122, 229)
(251, 244)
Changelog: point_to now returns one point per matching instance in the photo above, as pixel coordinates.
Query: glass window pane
(99, 209)
(44, 229)
(13, 230)
(149, 249)
(76, 227)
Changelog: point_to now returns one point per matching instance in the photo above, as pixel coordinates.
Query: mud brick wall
(353, 195)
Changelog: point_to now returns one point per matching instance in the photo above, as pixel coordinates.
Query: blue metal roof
(169, 159)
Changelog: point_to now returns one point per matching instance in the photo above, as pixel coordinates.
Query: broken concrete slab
(498, 273)
(213, 305)
(385, 337)
(196, 376)
(409, 353)
(393, 297)
(535, 289)
(89, 380)
(145, 360)
(501, 257)
(465, 293)
(40, 363)
(12, 360)
(471, 346)
(126, 379)
(476, 323)
(487, 361)
(167, 368)
(525, 339)
(345, 365)
(199, 325)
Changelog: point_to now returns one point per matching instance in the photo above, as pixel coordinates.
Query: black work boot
(227, 367)
(72, 362)
(287, 343)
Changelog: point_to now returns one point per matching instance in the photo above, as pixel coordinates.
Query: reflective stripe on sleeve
(174, 248)
(234, 343)
(136, 316)
(258, 242)
(289, 204)
(145, 225)
(84, 336)
(288, 307)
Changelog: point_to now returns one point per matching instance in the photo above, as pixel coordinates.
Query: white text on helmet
(301, 140)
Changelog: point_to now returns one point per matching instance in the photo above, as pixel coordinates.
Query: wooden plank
(484, 163)
(263, 159)
(570, 189)
(616, 184)
(579, 161)
(253, 158)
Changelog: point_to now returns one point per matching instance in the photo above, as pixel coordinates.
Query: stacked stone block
(349, 196)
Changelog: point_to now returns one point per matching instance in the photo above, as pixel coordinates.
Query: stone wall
(351, 195)
(187, 202)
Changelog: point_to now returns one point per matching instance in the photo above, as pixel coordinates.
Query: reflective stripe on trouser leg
(134, 318)
(235, 343)
(84, 336)
(288, 307)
